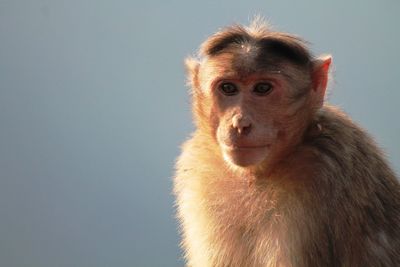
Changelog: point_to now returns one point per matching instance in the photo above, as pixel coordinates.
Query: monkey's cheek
(246, 157)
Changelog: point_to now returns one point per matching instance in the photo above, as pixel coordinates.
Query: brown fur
(324, 194)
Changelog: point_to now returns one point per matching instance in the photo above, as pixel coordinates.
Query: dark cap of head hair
(269, 43)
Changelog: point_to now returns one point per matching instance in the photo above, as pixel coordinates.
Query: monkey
(273, 175)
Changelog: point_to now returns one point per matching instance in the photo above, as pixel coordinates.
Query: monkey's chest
(248, 223)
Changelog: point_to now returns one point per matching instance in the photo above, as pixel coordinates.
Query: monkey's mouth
(245, 154)
(245, 147)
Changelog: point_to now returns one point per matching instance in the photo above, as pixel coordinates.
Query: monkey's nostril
(244, 130)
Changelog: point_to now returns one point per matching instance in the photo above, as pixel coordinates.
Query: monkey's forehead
(242, 65)
(238, 63)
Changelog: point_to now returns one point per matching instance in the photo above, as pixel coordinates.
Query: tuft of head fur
(258, 35)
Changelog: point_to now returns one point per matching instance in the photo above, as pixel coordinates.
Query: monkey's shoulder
(333, 133)
(346, 151)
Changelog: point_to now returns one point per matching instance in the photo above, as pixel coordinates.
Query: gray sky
(93, 108)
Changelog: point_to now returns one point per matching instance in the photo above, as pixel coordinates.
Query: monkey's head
(255, 92)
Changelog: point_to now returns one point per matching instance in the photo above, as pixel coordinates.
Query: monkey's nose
(241, 124)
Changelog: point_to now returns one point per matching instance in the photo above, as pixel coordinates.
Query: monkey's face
(253, 114)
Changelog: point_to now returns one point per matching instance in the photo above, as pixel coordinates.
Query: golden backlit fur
(322, 195)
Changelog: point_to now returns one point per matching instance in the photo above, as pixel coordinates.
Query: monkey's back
(333, 202)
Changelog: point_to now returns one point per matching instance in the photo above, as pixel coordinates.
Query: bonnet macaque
(273, 176)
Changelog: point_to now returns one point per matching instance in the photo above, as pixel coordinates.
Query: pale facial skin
(245, 132)
(252, 111)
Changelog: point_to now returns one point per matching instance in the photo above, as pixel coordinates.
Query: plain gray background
(93, 108)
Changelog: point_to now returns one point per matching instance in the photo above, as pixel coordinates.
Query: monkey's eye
(262, 88)
(228, 89)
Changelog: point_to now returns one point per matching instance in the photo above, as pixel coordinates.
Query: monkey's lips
(248, 147)
(245, 155)
(245, 147)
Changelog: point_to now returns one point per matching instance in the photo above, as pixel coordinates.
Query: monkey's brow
(277, 71)
(260, 73)
(232, 75)
(274, 71)
(280, 72)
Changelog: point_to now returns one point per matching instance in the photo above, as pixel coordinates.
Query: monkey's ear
(320, 76)
(192, 68)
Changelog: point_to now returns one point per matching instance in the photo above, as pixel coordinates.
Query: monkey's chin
(245, 156)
